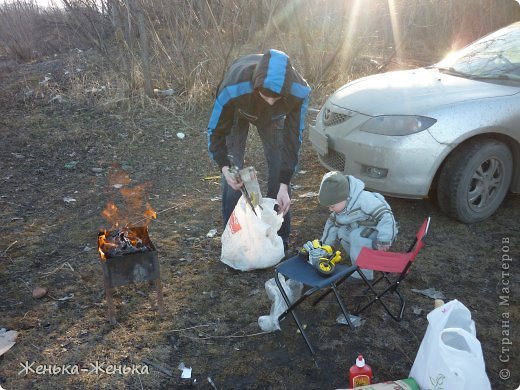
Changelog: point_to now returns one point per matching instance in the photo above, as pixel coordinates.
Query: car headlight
(397, 124)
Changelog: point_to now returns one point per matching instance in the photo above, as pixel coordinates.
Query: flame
(118, 178)
(130, 213)
(102, 241)
(131, 201)
(111, 214)
(118, 239)
(150, 213)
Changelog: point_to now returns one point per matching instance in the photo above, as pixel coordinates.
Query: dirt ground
(56, 158)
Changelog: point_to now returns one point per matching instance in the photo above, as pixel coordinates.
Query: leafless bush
(18, 22)
(186, 45)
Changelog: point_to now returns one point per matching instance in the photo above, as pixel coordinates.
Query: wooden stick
(9, 247)
(160, 368)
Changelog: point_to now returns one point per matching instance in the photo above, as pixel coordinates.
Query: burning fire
(120, 242)
(123, 238)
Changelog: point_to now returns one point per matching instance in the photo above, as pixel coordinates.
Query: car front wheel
(475, 179)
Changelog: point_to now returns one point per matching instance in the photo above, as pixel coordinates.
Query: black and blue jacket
(237, 94)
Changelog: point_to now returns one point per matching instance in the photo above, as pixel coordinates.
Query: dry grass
(191, 43)
(212, 311)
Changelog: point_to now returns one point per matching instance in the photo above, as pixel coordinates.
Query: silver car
(453, 126)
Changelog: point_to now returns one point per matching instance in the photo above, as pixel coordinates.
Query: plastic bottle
(360, 374)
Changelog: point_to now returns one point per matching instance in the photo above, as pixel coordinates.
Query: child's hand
(382, 246)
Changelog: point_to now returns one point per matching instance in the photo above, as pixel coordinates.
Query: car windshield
(494, 57)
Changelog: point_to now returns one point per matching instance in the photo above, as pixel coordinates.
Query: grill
(334, 160)
(130, 264)
(331, 118)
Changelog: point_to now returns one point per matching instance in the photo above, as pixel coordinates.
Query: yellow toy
(321, 256)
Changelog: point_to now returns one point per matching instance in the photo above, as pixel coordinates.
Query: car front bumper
(401, 166)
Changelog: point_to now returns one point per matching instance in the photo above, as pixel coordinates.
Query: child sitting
(358, 218)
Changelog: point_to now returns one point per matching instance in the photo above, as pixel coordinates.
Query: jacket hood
(274, 72)
(356, 187)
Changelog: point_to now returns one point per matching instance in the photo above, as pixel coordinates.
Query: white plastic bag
(251, 241)
(450, 356)
(292, 288)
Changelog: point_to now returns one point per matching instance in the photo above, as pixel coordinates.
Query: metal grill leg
(160, 303)
(110, 304)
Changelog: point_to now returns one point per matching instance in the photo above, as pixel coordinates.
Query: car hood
(412, 92)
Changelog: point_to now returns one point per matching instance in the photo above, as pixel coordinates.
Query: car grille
(331, 118)
(334, 160)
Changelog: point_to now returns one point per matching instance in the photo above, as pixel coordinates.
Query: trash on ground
(310, 194)
(430, 293)
(164, 92)
(66, 298)
(58, 98)
(180, 135)
(94, 90)
(45, 80)
(7, 340)
(70, 165)
(417, 310)
(210, 381)
(438, 303)
(293, 289)
(186, 371)
(356, 320)
(211, 233)
(68, 199)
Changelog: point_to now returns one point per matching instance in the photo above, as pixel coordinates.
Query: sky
(42, 3)
(46, 3)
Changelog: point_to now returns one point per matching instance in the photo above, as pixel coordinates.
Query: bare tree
(144, 46)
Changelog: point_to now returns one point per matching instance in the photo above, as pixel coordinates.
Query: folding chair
(298, 269)
(394, 266)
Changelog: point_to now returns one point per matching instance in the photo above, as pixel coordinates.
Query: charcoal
(114, 252)
(118, 243)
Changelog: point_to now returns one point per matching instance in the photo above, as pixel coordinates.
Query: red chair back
(395, 262)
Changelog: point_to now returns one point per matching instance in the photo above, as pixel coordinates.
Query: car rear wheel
(475, 179)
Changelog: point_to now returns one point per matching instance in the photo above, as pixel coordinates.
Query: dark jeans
(271, 138)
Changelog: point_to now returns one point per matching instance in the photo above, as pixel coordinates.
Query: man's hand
(231, 179)
(283, 199)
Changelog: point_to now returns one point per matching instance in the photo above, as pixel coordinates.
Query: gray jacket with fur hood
(363, 209)
(237, 95)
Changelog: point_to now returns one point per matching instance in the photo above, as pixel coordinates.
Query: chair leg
(402, 304)
(378, 298)
(291, 308)
(329, 290)
(343, 308)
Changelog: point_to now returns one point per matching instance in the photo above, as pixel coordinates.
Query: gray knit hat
(334, 188)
